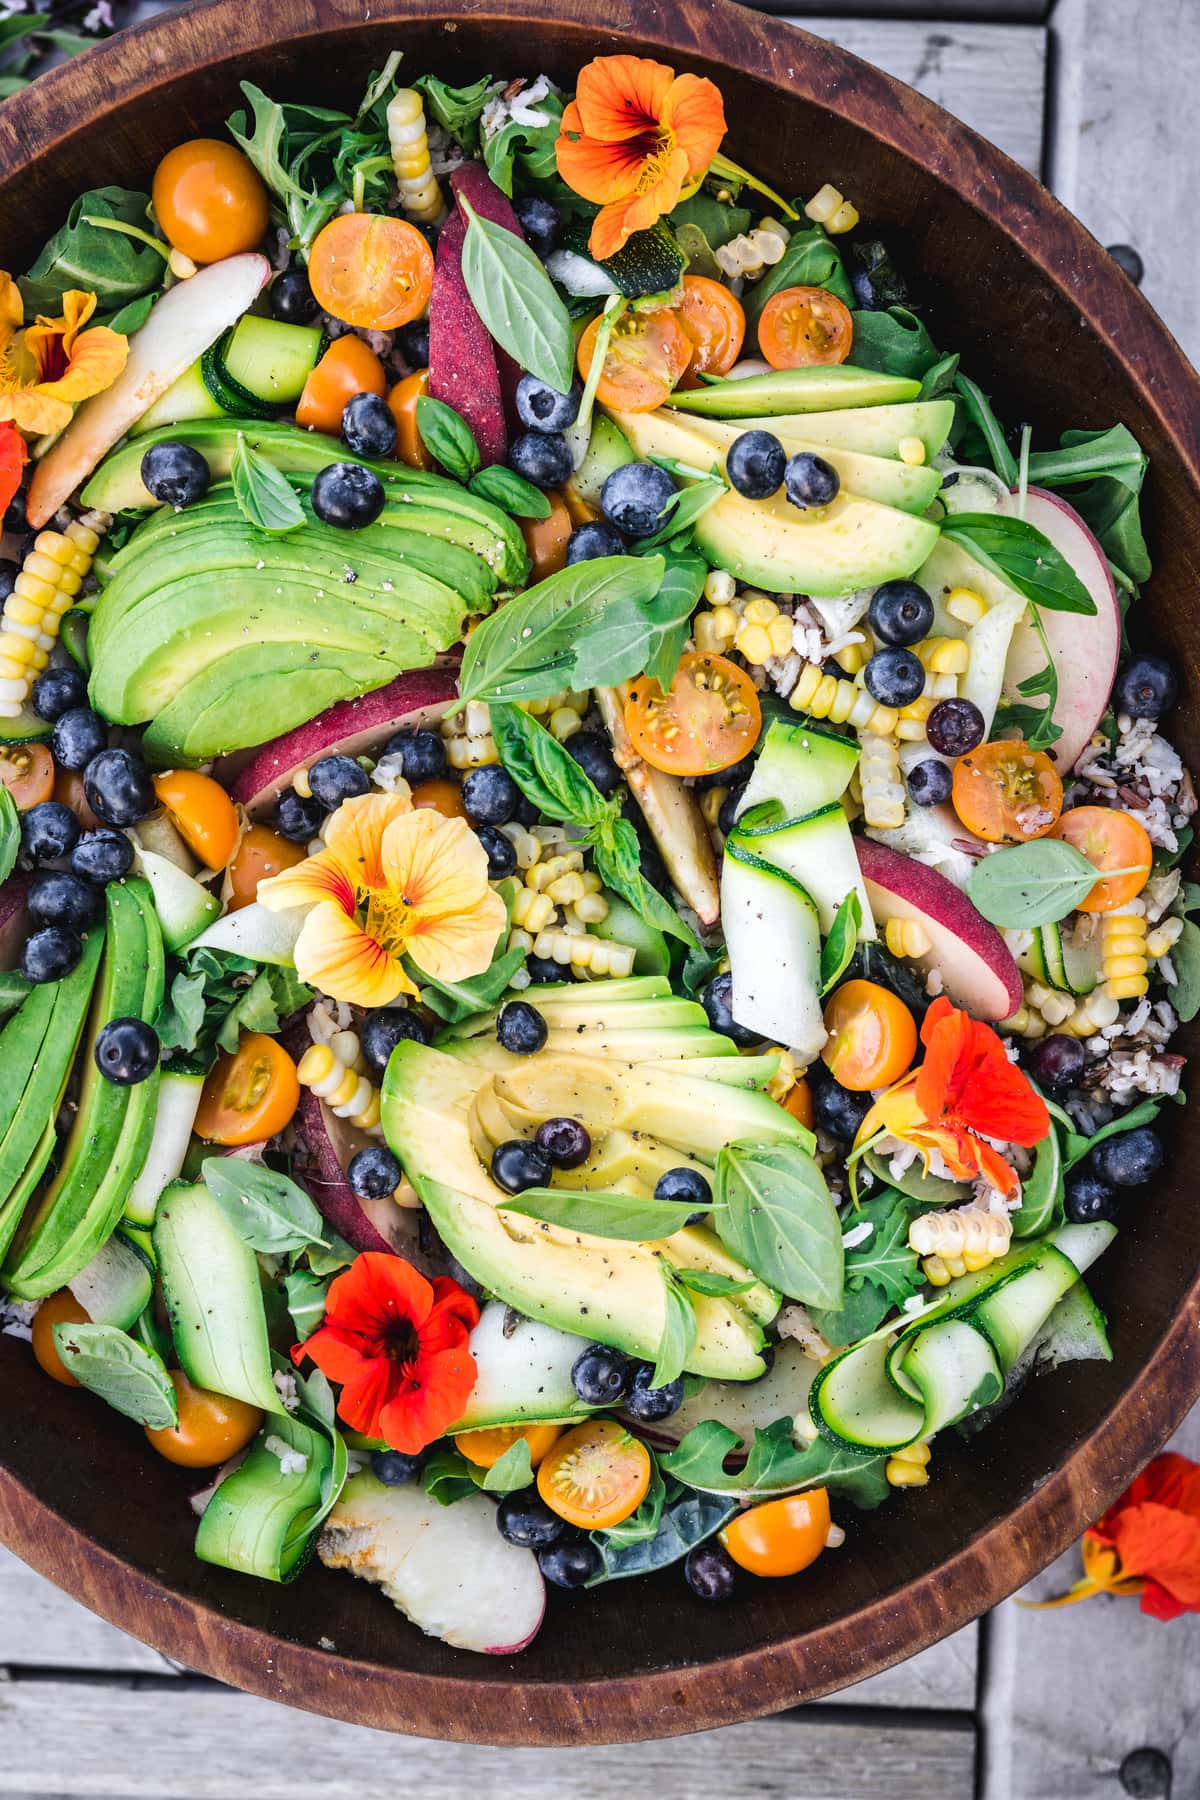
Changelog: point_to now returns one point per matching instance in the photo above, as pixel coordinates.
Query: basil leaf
(122, 1372)
(600, 1214)
(1023, 557)
(305, 1294)
(895, 342)
(707, 1281)
(510, 492)
(265, 498)
(774, 1213)
(669, 614)
(979, 412)
(456, 110)
(1077, 1146)
(838, 947)
(329, 1257)
(1088, 455)
(617, 856)
(459, 1000)
(447, 437)
(642, 1525)
(1184, 995)
(690, 504)
(699, 967)
(862, 1311)
(517, 301)
(447, 1476)
(884, 1258)
(10, 833)
(108, 264)
(545, 771)
(1031, 884)
(513, 1470)
(131, 317)
(679, 1333)
(266, 1209)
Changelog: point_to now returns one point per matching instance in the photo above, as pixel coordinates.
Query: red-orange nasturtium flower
(966, 1090)
(397, 1346)
(634, 134)
(14, 454)
(1148, 1542)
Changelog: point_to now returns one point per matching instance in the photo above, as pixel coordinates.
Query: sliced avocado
(841, 548)
(869, 430)
(619, 1156)
(682, 1047)
(608, 449)
(812, 389)
(20, 1195)
(588, 1009)
(20, 1044)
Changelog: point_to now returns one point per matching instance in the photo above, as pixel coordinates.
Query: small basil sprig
(132, 1379)
(679, 1331)
(510, 492)
(447, 437)
(10, 833)
(265, 498)
(1033, 884)
(599, 1214)
(1022, 556)
(517, 301)
(839, 946)
(266, 1209)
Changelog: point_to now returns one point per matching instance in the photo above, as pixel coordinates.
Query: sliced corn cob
(543, 874)
(527, 847)
(420, 195)
(1123, 954)
(879, 777)
(751, 252)
(1095, 1012)
(823, 696)
(50, 578)
(333, 1072)
(832, 210)
(961, 1240)
(531, 910)
(908, 1467)
(599, 956)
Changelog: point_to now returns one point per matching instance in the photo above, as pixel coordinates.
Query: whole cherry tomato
(59, 1309)
(485, 1448)
(402, 403)
(546, 539)
(209, 200)
(780, 1537)
(211, 1426)
(261, 853)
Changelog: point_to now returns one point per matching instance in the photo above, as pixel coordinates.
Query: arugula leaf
(1032, 884)
(839, 946)
(456, 109)
(108, 264)
(266, 1209)
(641, 1526)
(512, 1471)
(679, 1332)
(774, 1464)
(862, 1311)
(132, 1379)
(216, 996)
(1036, 723)
(265, 498)
(10, 833)
(545, 771)
(810, 260)
(266, 143)
(447, 437)
(884, 1258)
(509, 491)
(979, 411)
(600, 1214)
(305, 1294)
(516, 299)
(894, 341)
(1185, 960)
(773, 1211)
(527, 149)
(939, 378)
(1022, 556)
(687, 1519)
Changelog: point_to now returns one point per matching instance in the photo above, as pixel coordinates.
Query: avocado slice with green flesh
(868, 430)
(813, 389)
(590, 1013)
(18, 1199)
(20, 1043)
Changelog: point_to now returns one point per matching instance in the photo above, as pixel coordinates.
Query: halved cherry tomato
(60, 1309)
(714, 320)
(27, 771)
(595, 1476)
(798, 1101)
(347, 368)
(261, 853)
(69, 792)
(402, 403)
(202, 813)
(249, 1095)
(211, 1426)
(443, 796)
(1007, 793)
(1112, 840)
(647, 353)
(780, 1537)
(209, 200)
(710, 719)
(803, 326)
(371, 270)
(872, 1036)
(546, 539)
(484, 1448)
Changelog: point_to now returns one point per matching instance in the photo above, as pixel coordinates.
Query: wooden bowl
(1045, 321)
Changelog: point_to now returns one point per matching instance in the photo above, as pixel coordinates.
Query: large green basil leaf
(774, 1213)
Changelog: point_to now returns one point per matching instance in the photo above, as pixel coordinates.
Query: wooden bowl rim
(806, 1665)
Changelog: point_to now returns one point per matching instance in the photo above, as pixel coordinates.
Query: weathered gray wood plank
(41, 1627)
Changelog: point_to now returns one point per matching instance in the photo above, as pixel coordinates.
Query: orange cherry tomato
(371, 270)
(68, 791)
(595, 1476)
(546, 539)
(798, 1101)
(402, 403)
(484, 1448)
(1112, 840)
(780, 1537)
(249, 1095)
(647, 353)
(1007, 793)
(202, 813)
(802, 326)
(347, 368)
(59, 1309)
(714, 320)
(443, 796)
(710, 719)
(27, 771)
(211, 1426)
(262, 852)
(872, 1036)
(209, 200)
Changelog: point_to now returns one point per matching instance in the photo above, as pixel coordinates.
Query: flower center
(17, 369)
(657, 148)
(390, 918)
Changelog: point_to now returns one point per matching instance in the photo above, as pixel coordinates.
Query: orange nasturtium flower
(964, 1092)
(634, 134)
(1147, 1543)
(48, 366)
(397, 1346)
(390, 882)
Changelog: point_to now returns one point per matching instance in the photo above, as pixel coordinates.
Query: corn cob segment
(45, 589)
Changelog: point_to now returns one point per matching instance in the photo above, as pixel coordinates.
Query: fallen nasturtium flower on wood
(1147, 1543)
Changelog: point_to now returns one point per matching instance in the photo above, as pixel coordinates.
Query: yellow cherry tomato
(202, 813)
(595, 1476)
(211, 1426)
(546, 540)
(1007, 793)
(872, 1036)
(27, 771)
(440, 796)
(780, 1537)
(485, 1448)
(1112, 840)
(708, 720)
(371, 270)
(248, 1096)
(261, 853)
(59, 1309)
(209, 200)
(347, 368)
(402, 404)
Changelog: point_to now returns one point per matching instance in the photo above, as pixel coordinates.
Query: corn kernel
(719, 587)
(844, 219)
(760, 611)
(852, 657)
(591, 909)
(1163, 937)
(1127, 987)
(907, 937)
(754, 644)
(949, 657)
(905, 1474)
(824, 204)
(34, 587)
(912, 451)
(707, 634)
(965, 605)
(780, 633)
(564, 723)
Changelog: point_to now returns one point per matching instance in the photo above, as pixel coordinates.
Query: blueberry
(175, 474)
(596, 538)
(119, 788)
(635, 496)
(78, 735)
(518, 1164)
(414, 343)
(298, 817)
(593, 752)
(501, 856)
(954, 727)
(347, 495)
(292, 299)
(126, 1051)
(544, 968)
(1146, 687)
(570, 1562)
(689, 1187)
(646, 1403)
(539, 221)
(735, 775)
(57, 691)
(102, 856)
(838, 1110)
(566, 1142)
(601, 1376)
(1130, 1158)
(368, 427)
(894, 677)
(383, 1029)
(710, 1572)
(716, 1001)
(374, 1173)
(1087, 1199)
(490, 795)
(333, 779)
(396, 1469)
(900, 612)
(1129, 261)
(424, 755)
(543, 408)
(520, 1028)
(1056, 1062)
(543, 457)
(49, 831)
(59, 898)
(524, 1518)
(50, 954)
(727, 816)
(929, 783)
(810, 481)
(755, 464)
